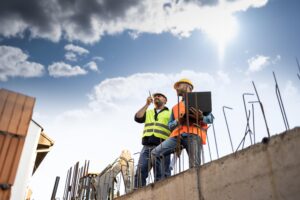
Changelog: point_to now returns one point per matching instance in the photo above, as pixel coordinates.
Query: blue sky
(91, 67)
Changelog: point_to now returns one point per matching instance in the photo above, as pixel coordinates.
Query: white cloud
(61, 69)
(112, 92)
(70, 56)
(62, 19)
(259, 62)
(98, 58)
(92, 66)
(73, 51)
(14, 63)
(76, 49)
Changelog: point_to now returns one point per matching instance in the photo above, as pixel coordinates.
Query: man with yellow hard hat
(188, 132)
(155, 131)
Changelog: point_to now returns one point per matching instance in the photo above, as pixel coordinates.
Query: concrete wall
(261, 172)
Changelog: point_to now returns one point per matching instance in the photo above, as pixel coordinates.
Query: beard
(158, 103)
(181, 92)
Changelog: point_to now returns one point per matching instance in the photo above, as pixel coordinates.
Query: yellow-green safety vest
(157, 128)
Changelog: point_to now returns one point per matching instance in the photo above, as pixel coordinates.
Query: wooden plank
(9, 159)
(2, 138)
(26, 116)
(3, 153)
(17, 113)
(13, 170)
(3, 97)
(6, 194)
(45, 140)
(8, 111)
(3, 195)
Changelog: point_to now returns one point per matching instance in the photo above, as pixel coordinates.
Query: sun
(221, 28)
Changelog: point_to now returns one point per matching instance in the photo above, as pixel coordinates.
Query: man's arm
(173, 123)
(197, 114)
(208, 119)
(140, 116)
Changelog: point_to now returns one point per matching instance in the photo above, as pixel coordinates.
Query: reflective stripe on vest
(198, 130)
(157, 128)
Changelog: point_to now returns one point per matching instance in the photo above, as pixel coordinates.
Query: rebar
(74, 180)
(248, 129)
(182, 159)
(55, 188)
(67, 184)
(281, 106)
(262, 109)
(228, 126)
(191, 153)
(217, 150)
(298, 74)
(244, 138)
(208, 147)
(253, 121)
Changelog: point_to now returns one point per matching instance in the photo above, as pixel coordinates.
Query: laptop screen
(199, 100)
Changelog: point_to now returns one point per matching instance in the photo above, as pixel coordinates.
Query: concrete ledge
(261, 172)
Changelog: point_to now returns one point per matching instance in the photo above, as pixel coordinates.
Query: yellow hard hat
(183, 80)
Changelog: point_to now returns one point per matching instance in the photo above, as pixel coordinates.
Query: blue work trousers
(145, 165)
(192, 144)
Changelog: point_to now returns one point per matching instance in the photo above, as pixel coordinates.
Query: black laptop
(200, 100)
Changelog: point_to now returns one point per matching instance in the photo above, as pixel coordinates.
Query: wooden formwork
(15, 115)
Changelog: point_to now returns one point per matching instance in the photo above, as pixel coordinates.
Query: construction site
(149, 100)
(267, 169)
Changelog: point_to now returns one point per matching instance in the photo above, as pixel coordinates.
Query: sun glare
(221, 29)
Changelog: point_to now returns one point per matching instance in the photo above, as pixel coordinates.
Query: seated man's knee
(154, 154)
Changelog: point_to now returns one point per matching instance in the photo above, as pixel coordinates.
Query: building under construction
(266, 170)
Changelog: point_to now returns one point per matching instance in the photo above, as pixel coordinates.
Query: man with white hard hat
(155, 131)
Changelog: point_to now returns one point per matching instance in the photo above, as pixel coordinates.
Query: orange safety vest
(201, 131)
